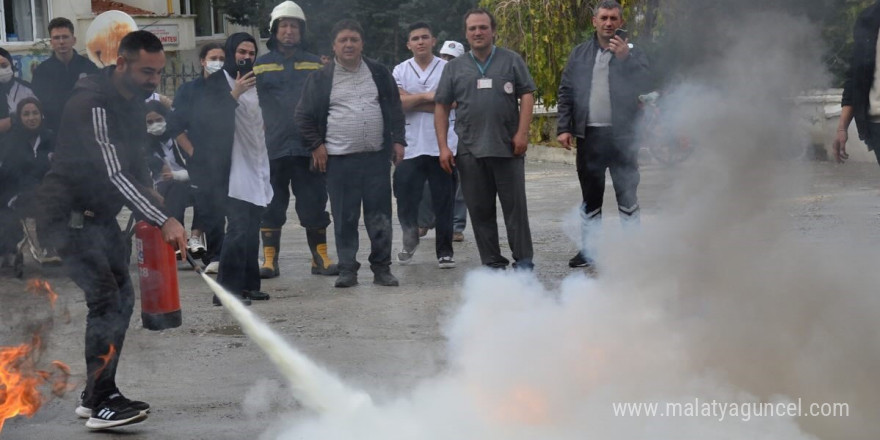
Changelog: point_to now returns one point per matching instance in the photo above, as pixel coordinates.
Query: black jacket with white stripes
(100, 153)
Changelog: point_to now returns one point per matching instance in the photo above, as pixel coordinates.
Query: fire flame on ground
(20, 378)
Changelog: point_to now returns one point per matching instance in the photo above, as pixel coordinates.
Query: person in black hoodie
(206, 240)
(98, 166)
(53, 79)
(230, 127)
(24, 160)
(861, 101)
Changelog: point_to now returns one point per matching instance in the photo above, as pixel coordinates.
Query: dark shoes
(244, 300)
(330, 270)
(580, 260)
(255, 295)
(115, 411)
(347, 279)
(385, 279)
(84, 408)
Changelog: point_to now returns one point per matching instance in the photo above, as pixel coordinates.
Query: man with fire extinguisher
(97, 168)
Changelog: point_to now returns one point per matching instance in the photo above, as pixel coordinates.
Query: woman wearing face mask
(24, 160)
(230, 115)
(208, 209)
(167, 162)
(14, 89)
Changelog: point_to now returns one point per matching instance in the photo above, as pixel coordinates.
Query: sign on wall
(167, 33)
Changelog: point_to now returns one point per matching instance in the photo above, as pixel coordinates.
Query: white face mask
(156, 128)
(5, 75)
(213, 66)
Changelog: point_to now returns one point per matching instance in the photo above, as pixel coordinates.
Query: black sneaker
(580, 260)
(84, 409)
(385, 279)
(115, 411)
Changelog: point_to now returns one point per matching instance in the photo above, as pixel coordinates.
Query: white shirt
(249, 174)
(421, 137)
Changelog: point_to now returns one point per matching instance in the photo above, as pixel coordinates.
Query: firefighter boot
(321, 263)
(271, 243)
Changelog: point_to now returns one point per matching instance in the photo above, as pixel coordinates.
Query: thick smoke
(718, 296)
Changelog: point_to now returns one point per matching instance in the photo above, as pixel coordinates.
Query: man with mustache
(494, 92)
(351, 119)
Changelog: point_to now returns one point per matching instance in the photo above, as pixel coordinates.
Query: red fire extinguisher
(157, 271)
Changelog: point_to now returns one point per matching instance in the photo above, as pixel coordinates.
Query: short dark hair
(346, 24)
(608, 4)
(475, 11)
(131, 45)
(60, 22)
(418, 25)
(203, 52)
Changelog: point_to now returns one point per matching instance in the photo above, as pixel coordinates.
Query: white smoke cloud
(719, 297)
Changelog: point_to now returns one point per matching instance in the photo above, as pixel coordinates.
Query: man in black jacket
(597, 104)
(861, 91)
(281, 74)
(98, 167)
(351, 119)
(54, 78)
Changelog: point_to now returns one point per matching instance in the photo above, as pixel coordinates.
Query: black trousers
(11, 232)
(294, 174)
(409, 179)
(96, 261)
(239, 260)
(481, 180)
(354, 180)
(596, 152)
(177, 195)
(459, 209)
(209, 203)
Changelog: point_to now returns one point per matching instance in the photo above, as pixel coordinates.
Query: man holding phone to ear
(597, 105)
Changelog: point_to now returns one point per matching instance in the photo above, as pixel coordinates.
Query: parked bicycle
(657, 135)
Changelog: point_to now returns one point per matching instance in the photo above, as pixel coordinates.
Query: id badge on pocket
(484, 83)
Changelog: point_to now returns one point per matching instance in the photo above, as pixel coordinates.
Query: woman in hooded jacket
(231, 121)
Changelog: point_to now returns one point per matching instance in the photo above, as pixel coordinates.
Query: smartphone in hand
(622, 33)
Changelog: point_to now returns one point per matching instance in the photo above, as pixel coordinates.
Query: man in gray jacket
(597, 105)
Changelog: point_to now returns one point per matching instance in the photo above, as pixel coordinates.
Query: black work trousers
(293, 174)
(409, 179)
(96, 261)
(209, 202)
(354, 180)
(596, 152)
(481, 180)
(177, 195)
(239, 260)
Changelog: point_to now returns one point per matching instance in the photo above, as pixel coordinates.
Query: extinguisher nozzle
(192, 262)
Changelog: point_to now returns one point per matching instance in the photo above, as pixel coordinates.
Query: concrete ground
(206, 380)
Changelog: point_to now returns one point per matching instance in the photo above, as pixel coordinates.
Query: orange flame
(20, 380)
(106, 358)
(42, 287)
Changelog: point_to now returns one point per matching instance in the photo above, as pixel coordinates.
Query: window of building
(23, 20)
(209, 20)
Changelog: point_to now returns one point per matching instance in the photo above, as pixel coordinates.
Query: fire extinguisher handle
(192, 262)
